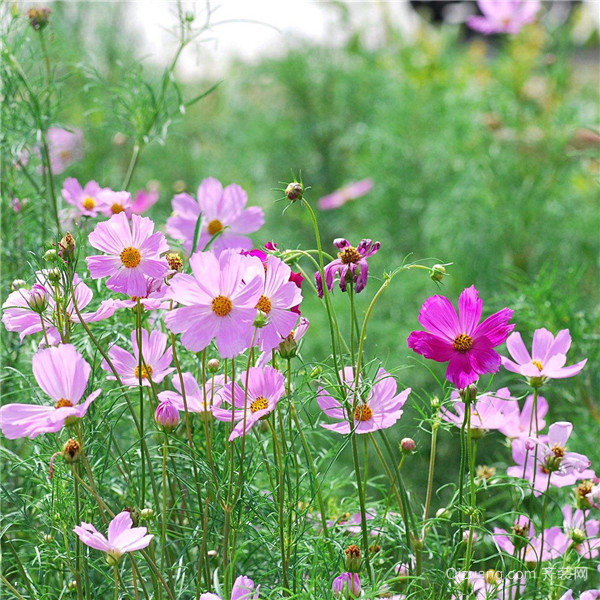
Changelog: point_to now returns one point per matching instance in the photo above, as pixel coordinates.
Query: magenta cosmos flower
(278, 296)
(219, 301)
(85, 200)
(547, 360)
(265, 388)
(504, 16)
(243, 589)
(463, 342)
(487, 412)
(222, 210)
(122, 536)
(132, 254)
(345, 194)
(198, 400)
(63, 374)
(351, 265)
(155, 353)
(64, 148)
(381, 408)
(582, 531)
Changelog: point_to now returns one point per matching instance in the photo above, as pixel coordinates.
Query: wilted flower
(243, 589)
(548, 356)
(380, 407)
(467, 345)
(133, 253)
(504, 16)
(122, 537)
(63, 375)
(345, 194)
(351, 265)
(39, 17)
(221, 210)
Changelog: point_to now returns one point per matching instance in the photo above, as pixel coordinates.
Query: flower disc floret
(363, 413)
(264, 304)
(130, 257)
(221, 306)
(261, 403)
(214, 226)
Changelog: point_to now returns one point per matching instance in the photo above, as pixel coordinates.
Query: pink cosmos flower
(587, 595)
(278, 296)
(122, 536)
(198, 401)
(504, 16)
(481, 586)
(221, 210)
(347, 585)
(155, 353)
(549, 354)
(487, 412)
(345, 194)
(64, 148)
(583, 531)
(352, 523)
(266, 387)
(467, 345)
(144, 200)
(153, 299)
(63, 375)
(351, 265)
(113, 203)
(518, 423)
(219, 301)
(381, 408)
(18, 315)
(243, 589)
(133, 254)
(166, 414)
(85, 200)
(523, 536)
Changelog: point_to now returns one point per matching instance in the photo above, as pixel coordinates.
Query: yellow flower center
(363, 412)
(130, 257)
(261, 403)
(493, 577)
(349, 255)
(264, 304)
(62, 403)
(215, 226)
(222, 306)
(463, 343)
(559, 451)
(89, 203)
(116, 208)
(146, 371)
(65, 154)
(538, 364)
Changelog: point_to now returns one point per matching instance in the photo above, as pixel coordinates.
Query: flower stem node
(113, 560)
(72, 450)
(353, 558)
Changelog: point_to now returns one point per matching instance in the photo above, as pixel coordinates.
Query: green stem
(164, 502)
(78, 541)
(116, 582)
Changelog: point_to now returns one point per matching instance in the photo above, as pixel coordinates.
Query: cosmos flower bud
(72, 450)
(38, 298)
(469, 393)
(72, 586)
(294, 191)
(213, 365)
(466, 536)
(54, 275)
(408, 445)
(583, 494)
(39, 17)
(443, 513)
(261, 320)
(353, 558)
(48, 538)
(18, 284)
(346, 585)
(146, 513)
(51, 255)
(435, 403)
(175, 261)
(66, 247)
(578, 536)
(134, 514)
(437, 272)
(288, 348)
(167, 415)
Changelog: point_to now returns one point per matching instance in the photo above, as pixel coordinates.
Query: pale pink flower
(504, 16)
(519, 423)
(345, 194)
(198, 400)
(133, 253)
(243, 589)
(64, 148)
(122, 536)
(113, 203)
(144, 200)
(583, 531)
(487, 412)
(63, 375)
(153, 299)
(84, 199)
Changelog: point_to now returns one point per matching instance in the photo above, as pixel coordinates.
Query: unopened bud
(179, 186)
(346, 585)
(469, 393)
(288, 348)
(18, 284)
(48, 538)
(51, 255)
(294, 191)
(167, 415)
(435, 403)
(437, 272)
(578, 536)
(408, 445)
(134, 513)
(466, 536)
(119, 139)
(213, 365)
(443, 513)
(72, 450)
(39, 17)
(146, 513)
(583, 495)
(38, 298)
(261, 320)
(72, 586)
(66, 247)
(175, 262)
(316, 372)
(353, 558)
(54, 275)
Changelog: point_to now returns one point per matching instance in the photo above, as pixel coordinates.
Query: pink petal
(517, 348)
(469, 309)
(438, 315)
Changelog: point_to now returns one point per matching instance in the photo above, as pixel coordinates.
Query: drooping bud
(18, 284)
(353, 558)
(437, 272)
(175, 261)
(146, 513)
(213, 365)
(38, 298)
(51, 255)
(167, 415)
(39, 17)
(71, 450)
(408, 445)
(294, 191)
(66, 248)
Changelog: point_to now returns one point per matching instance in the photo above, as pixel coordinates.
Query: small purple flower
(504, 16)
(345, 194)
(346, 585)
(64, 148)
(466, 344)
(351, 265)
(166, 414)
(243, 589)
(113, 203)
(547, 360)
